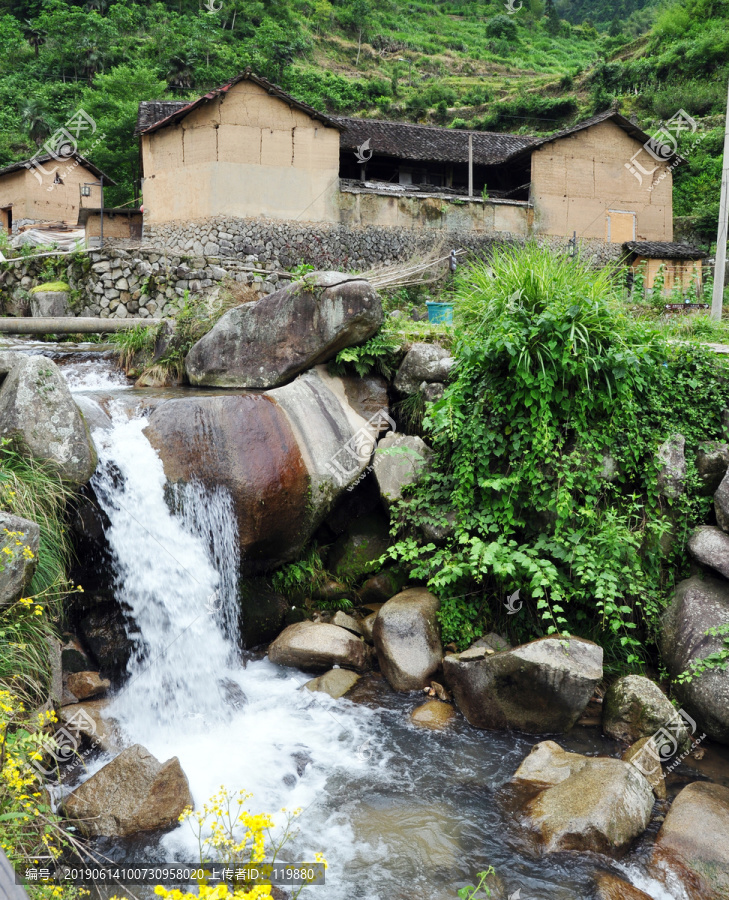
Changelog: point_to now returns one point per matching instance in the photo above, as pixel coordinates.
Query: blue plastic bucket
(442, 313)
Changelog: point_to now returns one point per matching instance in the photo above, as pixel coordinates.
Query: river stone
(314, 646)
(697, 606)
(281, 454)
(635, 707)
(344, 621)
(50, 304)
(710, 547)
(104, 632)
(367, 625)
(671, 476)
(336, 682)
(406, 635)
(610, 887)
(37, 407)
(423, 362)
(134, 793)
(548, 764)
(541, 687)
(433, 714)
(602, 806)
(87, 720)
(645, 755)
(721, 503)
(381, 587)
(268, 342)
(84, 685)
(73, 655)
(693, 843)
(712, 462)
(18, 567)
(399, 461)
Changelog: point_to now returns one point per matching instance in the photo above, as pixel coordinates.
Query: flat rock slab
(336, 682)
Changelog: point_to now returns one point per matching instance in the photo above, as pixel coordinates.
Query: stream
(398, 812)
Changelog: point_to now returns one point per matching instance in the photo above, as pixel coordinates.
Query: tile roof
(171, 116)
(152, 111)
(46, 158)
(663, 250)
(429, 142)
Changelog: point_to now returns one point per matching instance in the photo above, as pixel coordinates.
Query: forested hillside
(526, 65)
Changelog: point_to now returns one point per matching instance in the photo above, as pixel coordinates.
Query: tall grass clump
(545, 452)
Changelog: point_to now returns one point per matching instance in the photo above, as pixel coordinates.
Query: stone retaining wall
(118, 283)
(336, 246)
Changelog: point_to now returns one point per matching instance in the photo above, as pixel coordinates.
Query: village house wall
(32, 201)
(245, 153)
(578, 179)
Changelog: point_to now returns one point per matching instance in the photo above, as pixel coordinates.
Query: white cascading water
(188, 694)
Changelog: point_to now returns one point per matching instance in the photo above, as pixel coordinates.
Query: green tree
(553, 22)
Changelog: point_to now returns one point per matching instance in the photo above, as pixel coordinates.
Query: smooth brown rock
(84, 685)
(132, 794)
(318, 646)
(693, 843)
(344, 621)
(433, 714)
(406, 635)
(336, 682)
(541, 687)
(610, 887)
(548, 764)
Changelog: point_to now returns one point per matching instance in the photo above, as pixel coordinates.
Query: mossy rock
(55, 287)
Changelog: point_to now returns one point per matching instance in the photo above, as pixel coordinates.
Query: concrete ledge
(69, 325)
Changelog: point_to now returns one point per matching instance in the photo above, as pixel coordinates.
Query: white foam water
(94, 375)
(188, 693)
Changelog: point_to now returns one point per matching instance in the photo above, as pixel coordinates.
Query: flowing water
(397, 812)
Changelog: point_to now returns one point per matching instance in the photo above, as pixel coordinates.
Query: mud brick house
(44, 189)
(250, 151)
(679, 264)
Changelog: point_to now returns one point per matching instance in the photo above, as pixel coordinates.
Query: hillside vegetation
(455, 63)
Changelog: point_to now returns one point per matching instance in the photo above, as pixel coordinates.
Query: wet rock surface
(317, 646)
(406, 635)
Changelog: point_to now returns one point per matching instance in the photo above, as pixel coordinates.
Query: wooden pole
(470, 165)
(717, 299)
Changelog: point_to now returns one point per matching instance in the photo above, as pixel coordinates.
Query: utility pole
(717, 299)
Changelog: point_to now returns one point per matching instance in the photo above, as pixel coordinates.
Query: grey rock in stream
(267, 343)
(315, 646)
(406, 635)
(541, 687)
(584, 803)
(693, 843)
(37, 407)
(635, 707)
(16, 535)
(132, 794)
(697, 607)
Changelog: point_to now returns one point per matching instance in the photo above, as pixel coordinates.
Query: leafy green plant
(545, 449)
(470, 891)
(381, 354)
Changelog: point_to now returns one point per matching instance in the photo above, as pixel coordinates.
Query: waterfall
(176, 573)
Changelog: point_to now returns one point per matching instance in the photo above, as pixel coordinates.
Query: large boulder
(134, 793)
(541, 687)
(285, 456)
(268, 342)
(399, 461)
(423, 363)
(19, 542)
(721, 503)
(406, 636)
(588, 803)
(693, 843)
(671, 463)
(317, 646)
(697, 607)
(49, 304)
(712, 462)
(635, 707)
(710, 547)
(36, 406)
